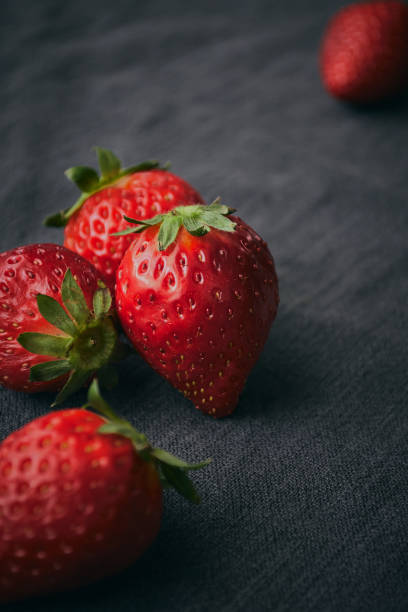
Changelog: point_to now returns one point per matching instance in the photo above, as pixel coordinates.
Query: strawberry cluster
(194, 290)
(190, 286)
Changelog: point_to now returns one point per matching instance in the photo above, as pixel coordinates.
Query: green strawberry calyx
(89, 182)
(171, 469)
(198, 220)
(87, 341)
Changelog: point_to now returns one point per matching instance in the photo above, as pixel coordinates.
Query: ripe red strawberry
(139, 191)
(364, 55)
(54, 330)
(197, 293)
(80, 499)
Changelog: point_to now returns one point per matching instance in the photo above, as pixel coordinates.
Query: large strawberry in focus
(196, 293)
(56, 324)
(139, 191)
(80, 499)
(364, 54)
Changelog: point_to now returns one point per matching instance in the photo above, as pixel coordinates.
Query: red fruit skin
(364, 53)
(75, 505)
(24, 273)
(140, 196)
(200, 311)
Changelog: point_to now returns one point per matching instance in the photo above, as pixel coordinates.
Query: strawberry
(364, 54)
(80, 499)
(196, 294)
(55, 331)
(140, 191)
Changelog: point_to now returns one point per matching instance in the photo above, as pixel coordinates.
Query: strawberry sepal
(45, 344)
(89, 182)
(197, 219)
(49, 370)
(88, 343)
(171, 469)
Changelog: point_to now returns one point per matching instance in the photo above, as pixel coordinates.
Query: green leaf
(180, 481)
(216, 206)
(114, 427)
(218, 221)
(97, 402)
(195, 225)
(45, 344)
(76, 380)
(165, 457)
(141, 225)
(130, 230)
(192, 210)
(102, 302)
(54, 313)
(85, 178)
(115, 424)
(73, 299)
(163, 481)
(153, 221)
(50, 370)
(62, 218)
(192, 219)
(108, 163)
(168, 231)
(149, 164)
(58, 219)
(125, 429)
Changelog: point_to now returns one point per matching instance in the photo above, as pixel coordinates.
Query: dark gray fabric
(305, 505)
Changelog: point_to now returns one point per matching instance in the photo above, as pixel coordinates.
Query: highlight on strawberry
(196, 293)
(56, 321)
(142, 190)
(80, 498)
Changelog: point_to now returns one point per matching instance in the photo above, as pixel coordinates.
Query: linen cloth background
(304, 507)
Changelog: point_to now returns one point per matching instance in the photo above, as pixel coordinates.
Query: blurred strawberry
(364, 54)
